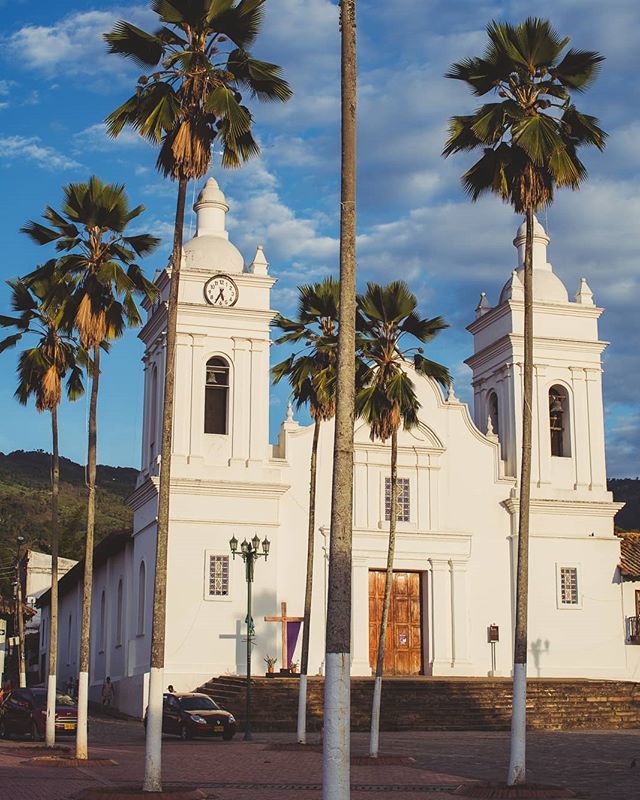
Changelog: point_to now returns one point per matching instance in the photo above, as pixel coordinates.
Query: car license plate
(69, 726)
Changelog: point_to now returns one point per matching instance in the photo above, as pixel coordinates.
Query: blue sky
(58, 83)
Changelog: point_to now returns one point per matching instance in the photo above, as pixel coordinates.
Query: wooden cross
(283, 619)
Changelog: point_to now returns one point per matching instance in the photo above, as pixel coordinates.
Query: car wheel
(35, 733)
(185, 733)
(228, 735)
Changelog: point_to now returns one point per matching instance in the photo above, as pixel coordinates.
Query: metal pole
(249, 573)
(21, 661)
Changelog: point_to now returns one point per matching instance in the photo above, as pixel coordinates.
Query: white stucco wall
(462, 533)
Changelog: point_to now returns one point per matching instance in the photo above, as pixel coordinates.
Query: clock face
(221, 291)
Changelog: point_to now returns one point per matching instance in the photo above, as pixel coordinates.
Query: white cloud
(95, 138)
(28, 147)
(74, 44)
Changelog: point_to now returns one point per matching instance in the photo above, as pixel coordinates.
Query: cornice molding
(592, 508)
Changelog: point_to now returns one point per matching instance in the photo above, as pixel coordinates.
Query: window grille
(218, 576)
(569, 586)
(404, 500)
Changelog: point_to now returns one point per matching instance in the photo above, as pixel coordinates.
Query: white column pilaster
(198, 370)
(579, 428)
(144, 456)
(259, 440)
(360, 489)
(240, 419)
(510, 417)
(541, 428)
(182, 398)
(360, 618)
(459, 614)
(440, 617)
(596, 428)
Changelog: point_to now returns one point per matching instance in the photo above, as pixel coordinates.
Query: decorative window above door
(404, 500)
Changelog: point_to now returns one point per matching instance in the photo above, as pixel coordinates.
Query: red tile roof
(630, 554)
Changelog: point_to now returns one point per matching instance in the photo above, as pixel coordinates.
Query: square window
(404, 500)
(218, 576)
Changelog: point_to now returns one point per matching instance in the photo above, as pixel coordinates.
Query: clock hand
(220, 296)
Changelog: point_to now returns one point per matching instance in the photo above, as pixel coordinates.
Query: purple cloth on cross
(293, 631)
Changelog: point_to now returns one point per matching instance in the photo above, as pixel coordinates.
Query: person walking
(107, 692)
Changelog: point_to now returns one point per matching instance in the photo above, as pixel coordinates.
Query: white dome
(547, 287)
(210, 249)
(213, 254)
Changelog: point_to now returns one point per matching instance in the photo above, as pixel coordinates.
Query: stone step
(439, 703)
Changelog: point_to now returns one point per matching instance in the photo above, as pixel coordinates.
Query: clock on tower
(221, 291)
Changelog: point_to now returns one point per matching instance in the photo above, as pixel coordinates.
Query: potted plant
(293, 666)
(270, 662)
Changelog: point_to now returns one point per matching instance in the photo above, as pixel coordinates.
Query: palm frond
(578, 69)
(141, 47)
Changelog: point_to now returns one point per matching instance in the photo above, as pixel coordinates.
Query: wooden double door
(403, 642)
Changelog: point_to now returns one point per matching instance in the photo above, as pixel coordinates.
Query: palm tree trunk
(82, 748)
(337, 700)
(304, 660)
(374, 738)
(53, 606)
(517, 762)
(153, 742)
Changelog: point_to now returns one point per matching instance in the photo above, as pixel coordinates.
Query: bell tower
(568, 459)
(221, 400)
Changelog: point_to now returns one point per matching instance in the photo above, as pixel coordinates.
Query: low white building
(457, 537)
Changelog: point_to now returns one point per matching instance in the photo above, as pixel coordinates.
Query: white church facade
(457, 534)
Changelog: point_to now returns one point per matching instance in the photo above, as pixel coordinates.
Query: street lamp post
(19, 618)
(249, 551)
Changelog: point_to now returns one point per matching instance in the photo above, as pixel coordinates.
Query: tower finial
(211, 208)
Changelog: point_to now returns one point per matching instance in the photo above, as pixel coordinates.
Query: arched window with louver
(216, 401)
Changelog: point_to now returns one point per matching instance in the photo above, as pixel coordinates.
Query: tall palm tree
(387, 317)
(199, 62)
(41, 370)
(99, 263)
(530, 139)
(311, 373)
(337, 695)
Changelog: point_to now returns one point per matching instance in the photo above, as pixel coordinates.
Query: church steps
(440, 703)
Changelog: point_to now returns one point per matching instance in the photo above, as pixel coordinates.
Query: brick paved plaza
(596, 765)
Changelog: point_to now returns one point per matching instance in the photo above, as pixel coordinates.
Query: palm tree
(387, 315)
(530, 139)
(311, 374)
(337, 697)
(199, 63)
(41, 370)
(104, 281)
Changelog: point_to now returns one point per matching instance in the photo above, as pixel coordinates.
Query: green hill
(25, 504)
(626, 490)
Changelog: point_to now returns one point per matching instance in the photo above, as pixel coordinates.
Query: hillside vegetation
(25, 505)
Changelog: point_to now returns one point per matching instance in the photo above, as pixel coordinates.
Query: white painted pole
(302, 710)
(517, 768)
(336, 776)
(3, 646)
(82, 743)
(374, 737)
(153, 750)
(50, 735)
